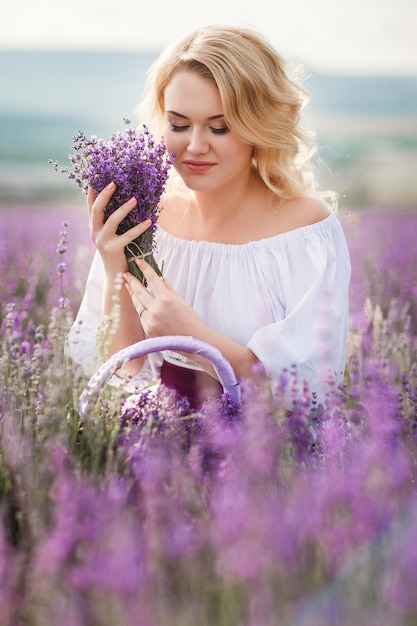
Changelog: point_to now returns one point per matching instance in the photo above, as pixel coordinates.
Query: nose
(197, 143)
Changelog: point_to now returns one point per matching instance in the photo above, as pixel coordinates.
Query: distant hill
(46, 97)
(389, 96)
(101, 87)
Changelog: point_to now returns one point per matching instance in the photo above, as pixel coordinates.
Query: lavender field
(238, 516)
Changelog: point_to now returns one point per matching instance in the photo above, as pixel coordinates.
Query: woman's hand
(110, 245)
(111, 248)
(161, 310)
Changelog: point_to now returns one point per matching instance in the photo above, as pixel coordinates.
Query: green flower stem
(137, 250)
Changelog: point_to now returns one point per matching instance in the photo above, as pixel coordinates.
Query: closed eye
(220, 131)
(177, 128)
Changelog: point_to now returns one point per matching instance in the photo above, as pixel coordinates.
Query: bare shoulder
(309, 209)
(303, 211)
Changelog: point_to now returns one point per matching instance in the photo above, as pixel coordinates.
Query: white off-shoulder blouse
(285, 297)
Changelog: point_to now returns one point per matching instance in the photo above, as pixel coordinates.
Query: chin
(196, 185)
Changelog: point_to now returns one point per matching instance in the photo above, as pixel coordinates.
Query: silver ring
(144, 309)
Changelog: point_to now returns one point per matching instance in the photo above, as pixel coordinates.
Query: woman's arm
(117, 305)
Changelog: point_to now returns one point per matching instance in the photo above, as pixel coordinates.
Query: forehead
(190, 94)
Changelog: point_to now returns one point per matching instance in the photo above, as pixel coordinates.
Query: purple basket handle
(222, 367)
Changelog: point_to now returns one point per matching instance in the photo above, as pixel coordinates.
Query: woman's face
(207, 155)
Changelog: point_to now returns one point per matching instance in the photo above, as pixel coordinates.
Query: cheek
(239, 155)
(237, 149)
(173, 142)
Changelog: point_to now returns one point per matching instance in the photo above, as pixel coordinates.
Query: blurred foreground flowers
(149, 515)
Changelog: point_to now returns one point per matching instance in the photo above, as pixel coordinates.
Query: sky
(343, 36)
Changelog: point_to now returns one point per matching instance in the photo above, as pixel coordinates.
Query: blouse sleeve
(312, 337)
(82, 337)
(81, 343)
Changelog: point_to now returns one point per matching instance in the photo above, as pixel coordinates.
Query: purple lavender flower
(138, 166)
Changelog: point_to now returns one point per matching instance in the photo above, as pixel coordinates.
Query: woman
(255, 261)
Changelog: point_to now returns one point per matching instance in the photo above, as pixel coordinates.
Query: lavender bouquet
(139, 167)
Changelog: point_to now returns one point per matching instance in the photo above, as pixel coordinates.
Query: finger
(119, 214)
(134, 232)
(91, 196)
(113, 221)
(137, 302)
(141, 297)
(104, 195)
(97, 204)
(156, 284)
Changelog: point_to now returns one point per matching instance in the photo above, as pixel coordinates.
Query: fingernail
(132, 201)
(110, 185)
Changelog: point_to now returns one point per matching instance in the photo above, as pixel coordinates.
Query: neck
(225, 203)
(227, 215)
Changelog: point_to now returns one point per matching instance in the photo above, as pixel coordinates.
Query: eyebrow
(184, 117)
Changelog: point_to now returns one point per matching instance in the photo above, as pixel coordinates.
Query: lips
(198, 166)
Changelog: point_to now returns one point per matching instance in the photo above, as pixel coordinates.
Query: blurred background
(82, 66)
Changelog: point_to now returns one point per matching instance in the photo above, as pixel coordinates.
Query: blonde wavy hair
(262, 104)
